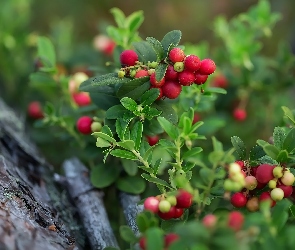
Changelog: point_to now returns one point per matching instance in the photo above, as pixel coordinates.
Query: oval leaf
(172, 37)
(123, 154)
(131, 184)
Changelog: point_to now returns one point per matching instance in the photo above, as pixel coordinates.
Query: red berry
(81, 99)
(220, 81)
(170, 238)
(239, 114)
(264, 173)
(184, 199)
(109, 48)
(141, 73)
(153, 139)
(207, 67)
(142, 243)
(200, 79)
(253, 171)
(288, 190)
(235, 220)
(260, 185)
(266, 196)
(241, 163)
(154, 82)
(35, 110)
(169, 215)
(186, 78)
(128, 58)
(238, 200)
(84, 125)
(196, 118)
(171, 74)
(171, 89)
(176, 55)
(209, 220)
(151, 204)
(178, 212)
(192, 63)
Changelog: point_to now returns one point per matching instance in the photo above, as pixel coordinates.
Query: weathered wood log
(131, 209)
(34, 214)
(89, 202)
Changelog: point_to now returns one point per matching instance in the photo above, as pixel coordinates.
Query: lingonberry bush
(139, 123)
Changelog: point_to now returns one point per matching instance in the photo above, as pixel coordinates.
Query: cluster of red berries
(255, 184)
(235, 220)
(170, 207)
(86, 125)
(182, 70)
(168, 240)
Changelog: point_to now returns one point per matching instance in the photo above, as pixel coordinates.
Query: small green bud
(132, 73)
(121, 73)
(178, 66)
(96, 127)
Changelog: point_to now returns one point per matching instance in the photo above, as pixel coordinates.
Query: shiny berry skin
(288, 179)
(186, 78)
(176, 55)
(238, 200)
(288, 190)
(266, 196)
(141, 73)
(178, 213)
(170, 238)
(153, 139)
(264, 173)
(96, 126)
(151, 204)
(235, 220)
(156, 83)
(277, 194)
(209, 220)
(81, 99)
(164, 206)
(84, 125)
(184, 199)
(192, 63)
(171, 89)
(169, 215)
(239, 114)
(128, 58)
(35, 110)
(220, 81)
(171, 74)
(207, 67)
(142, 243)
(241, 163)
(200, 79)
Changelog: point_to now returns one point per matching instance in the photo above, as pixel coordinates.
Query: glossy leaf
(191, 153)
(239, 147)
(169, 128)
(127, 234)
(289, 142)
(172, 37)
(123, 154)
(160, 71)
(136, 134)
(145, 51)
(134, 88)
(157, 46)
(155, 180)
(129, 103)
(149, 96)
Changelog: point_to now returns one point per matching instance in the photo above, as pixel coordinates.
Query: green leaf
(215, 156)
(136, 134)
(103, 101)
(149, 96)
(130, 167)
(127, 144)
(154, 239)
(134, 88)
(282, 156)
(134, 21)
(102, 143)
(156, 166)
(118, 16)
(104, 136)
(169, 128)
(289, 142)
(262, 143)
(127, 234)
(121, 126)
(146, 219)
(46, 52)
(279, 137)
(104, 175)
(40, 79)
(115, 112)
(157, 46)
(271, 151)
(289, 114)
(160, 71)
(144, 51)
(123, 154)
(129, 103)
(256, 152)
(106, 130)
(131, 184)
(239, 147)
(216, 90)
(155, 180)
(187, 125)
(191, 153)
(172, 37)
(167, 111)
(206, 175)
(95, 83)
(217, 145)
